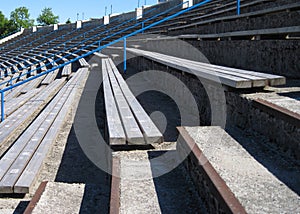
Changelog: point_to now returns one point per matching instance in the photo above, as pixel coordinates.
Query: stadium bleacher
(41, 73)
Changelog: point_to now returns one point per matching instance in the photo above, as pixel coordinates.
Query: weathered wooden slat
(21, 152)
(17, 119)
(83, 63)
(229, 80)
(32, 84)
(232, 77)
(253, 75)
(67, 70)
(29, 175)
(50, 77)
(150, 131)
(15, 103)
(131, 128)
(115, 128)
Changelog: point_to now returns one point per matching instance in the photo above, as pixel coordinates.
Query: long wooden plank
(48, 116)
(115, 128)
(15, 170)
(150, 131)
(19, 154)
(67, 69)
(29, 175)
(243, 15)
(255, 80)
(15, 103)
(270, 79)
(229, 80)
(258, 78)
(33, 84)
(17, 119)
(83, 63)
(131, 128)
(8, 159)
(50, 77)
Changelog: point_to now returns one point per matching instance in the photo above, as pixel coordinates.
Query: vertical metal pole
(143, 26)
(99, 43)
(2, 106)
(125, 64)
(238, 7)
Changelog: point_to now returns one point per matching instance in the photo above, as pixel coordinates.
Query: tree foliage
(3, 24)
(20, 17)
(47, 17)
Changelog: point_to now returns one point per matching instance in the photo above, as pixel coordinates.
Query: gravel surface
(60, 198)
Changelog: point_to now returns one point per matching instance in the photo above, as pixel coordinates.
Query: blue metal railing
(55, 40)
(31, 42)
(81, 42)
(123, 38)
(238, 7)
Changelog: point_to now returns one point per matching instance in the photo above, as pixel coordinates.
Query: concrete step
(151, 182)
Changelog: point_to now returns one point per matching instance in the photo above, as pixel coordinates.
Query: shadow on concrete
(88, 126)
(21, 207)
(175, 190)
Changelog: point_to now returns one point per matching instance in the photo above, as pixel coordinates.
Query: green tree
(3, 24)
(20, 17)
(47, 17)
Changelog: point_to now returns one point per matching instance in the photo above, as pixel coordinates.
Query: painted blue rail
(123, 38)
(81, 42)
(60, 37)
(31, 42)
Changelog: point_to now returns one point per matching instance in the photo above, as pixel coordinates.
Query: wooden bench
(127, 120)
(83, 62)
(22, 162)
(67, 69)
(236, 17)
(52, 75)
(19, 119)
(248, 33)
(227, 175)
(32, 84)
(232, 77)
(13, 103)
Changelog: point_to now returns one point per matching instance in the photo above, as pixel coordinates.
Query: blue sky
(69, 8)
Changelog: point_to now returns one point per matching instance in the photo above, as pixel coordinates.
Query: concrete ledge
(219, 197)
(225, 173)
(11, 36)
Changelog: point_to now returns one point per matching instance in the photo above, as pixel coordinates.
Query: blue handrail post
(125, 64)
(238, 7)
(99, 43)
(143, 26)
(2, 106)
